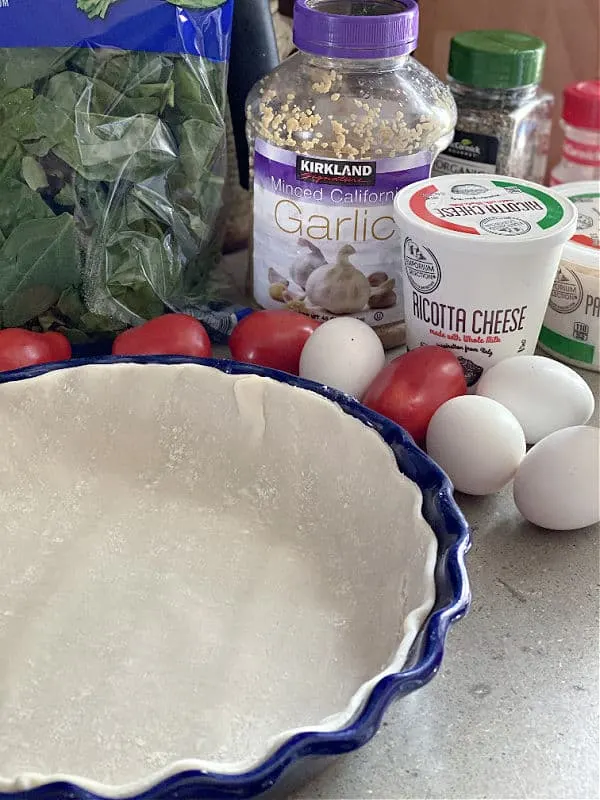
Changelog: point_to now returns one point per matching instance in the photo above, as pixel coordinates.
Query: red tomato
(20, 348)
(168, 335)
(61, 347)
(272, 339)
(411, 388)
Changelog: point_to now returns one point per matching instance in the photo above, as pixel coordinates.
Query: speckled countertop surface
(514, 710)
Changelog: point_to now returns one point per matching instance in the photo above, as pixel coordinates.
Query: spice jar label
(468, 153)
(325, 240)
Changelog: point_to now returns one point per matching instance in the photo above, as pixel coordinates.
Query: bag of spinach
(112, 160)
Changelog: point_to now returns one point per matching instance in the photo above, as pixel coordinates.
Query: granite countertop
(514, 710)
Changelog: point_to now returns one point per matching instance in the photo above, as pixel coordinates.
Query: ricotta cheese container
(479, 258)
(571, 329)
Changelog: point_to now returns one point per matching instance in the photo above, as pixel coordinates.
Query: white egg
(344, 353)
(543, 394)
(477, 442)
(557, 485)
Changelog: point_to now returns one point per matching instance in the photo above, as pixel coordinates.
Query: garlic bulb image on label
(306, 263)
(339, 288)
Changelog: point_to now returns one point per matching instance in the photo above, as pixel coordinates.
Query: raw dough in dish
(191, 564)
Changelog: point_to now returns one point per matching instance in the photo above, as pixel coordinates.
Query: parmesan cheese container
(571, 330)
(479, 257)
(335, 131)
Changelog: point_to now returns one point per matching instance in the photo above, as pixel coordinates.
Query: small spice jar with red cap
(580, 160)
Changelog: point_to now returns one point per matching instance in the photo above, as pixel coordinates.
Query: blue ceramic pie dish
(297, 757)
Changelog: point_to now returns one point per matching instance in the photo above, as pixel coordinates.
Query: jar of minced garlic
(335, 131)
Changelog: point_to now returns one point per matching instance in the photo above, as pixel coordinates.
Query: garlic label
(325, 240)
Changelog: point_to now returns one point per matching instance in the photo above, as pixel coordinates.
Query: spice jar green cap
(496, 59)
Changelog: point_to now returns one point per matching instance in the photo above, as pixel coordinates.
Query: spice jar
(335, 131)
(580, 159)
(504, 118)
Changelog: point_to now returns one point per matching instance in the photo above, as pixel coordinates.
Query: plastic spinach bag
(112, 160)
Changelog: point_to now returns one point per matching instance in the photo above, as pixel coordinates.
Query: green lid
(496, 59)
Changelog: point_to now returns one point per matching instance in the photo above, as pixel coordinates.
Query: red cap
(581, 105)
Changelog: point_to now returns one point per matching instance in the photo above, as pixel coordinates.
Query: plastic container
(112, 163)
(479, 257)
(335, 131)
(580, 160)
(504, 117)
(571, 330)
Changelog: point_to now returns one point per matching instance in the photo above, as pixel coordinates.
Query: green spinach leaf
(99, 8)
(111, 178)
(20, 67)
(38, 252)
(20, 204)
(95, 8)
